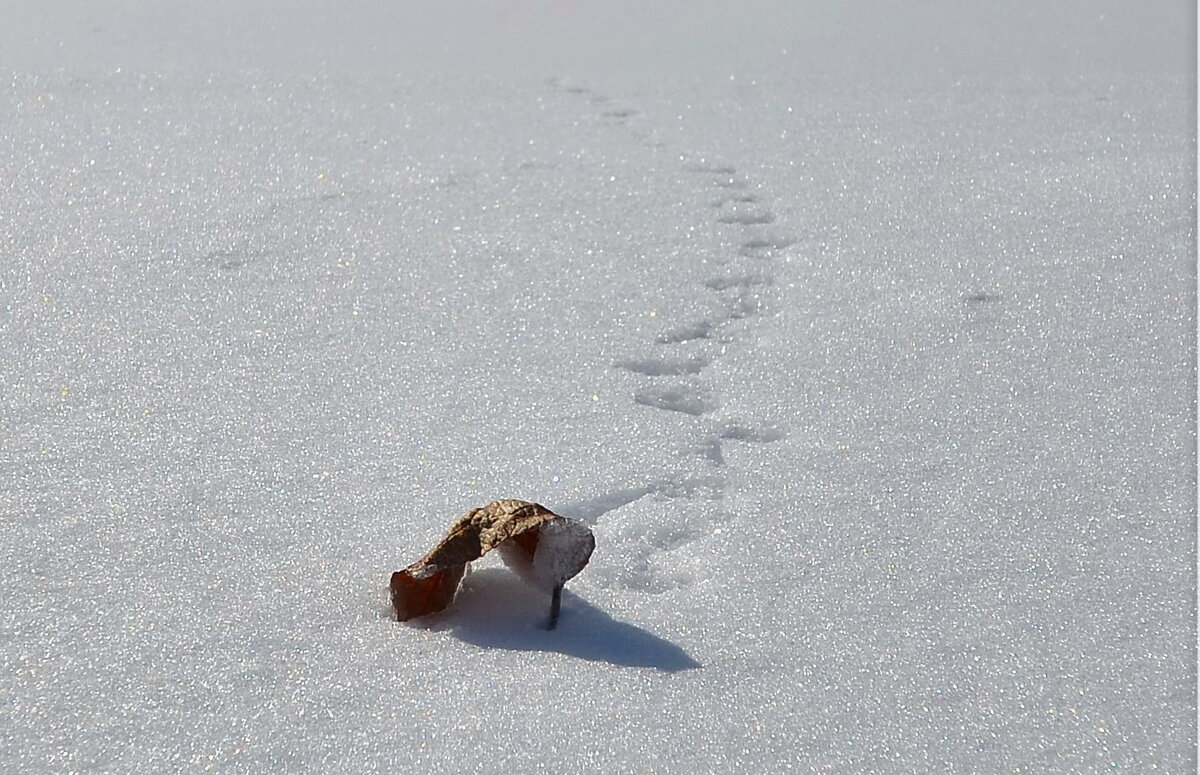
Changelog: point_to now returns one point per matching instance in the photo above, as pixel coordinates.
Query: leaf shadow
(495, 609)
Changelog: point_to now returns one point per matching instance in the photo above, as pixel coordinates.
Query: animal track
(591, 510)
(742, 281)
(673, 381)
(687, 333)
(664, 367)
(734, 199)
(675, 399)
(739, 432)
(743, 306)
(232, 259)
(667, 537)
(712, 448)
(758, 246)
(654, 554)
(643, 572)
(748, 217)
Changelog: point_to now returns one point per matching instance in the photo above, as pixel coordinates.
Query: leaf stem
(555, 605)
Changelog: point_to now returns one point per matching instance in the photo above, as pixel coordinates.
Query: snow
(862, 337)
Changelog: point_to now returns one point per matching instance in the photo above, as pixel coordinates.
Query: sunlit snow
(860, 334)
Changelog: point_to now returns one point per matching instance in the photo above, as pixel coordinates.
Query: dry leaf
(542, 547)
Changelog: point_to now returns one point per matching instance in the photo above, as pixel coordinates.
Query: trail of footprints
(672, 373)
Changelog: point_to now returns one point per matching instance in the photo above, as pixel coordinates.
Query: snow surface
(862, 335)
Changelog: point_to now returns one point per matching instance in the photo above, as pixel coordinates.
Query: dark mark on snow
(744, 281)
(663, 367)
(767, 243)
(675, 399)
(738, 432)
(748, 218)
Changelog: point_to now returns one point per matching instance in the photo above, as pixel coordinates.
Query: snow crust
(862, 340)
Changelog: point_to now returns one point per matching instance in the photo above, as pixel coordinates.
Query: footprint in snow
(742, 305)
(736, 205)
(734, 431)
(736, 281)
(676, 399)
(733, 199)
(760, 246)
(664, 367)
(691, 332)
(747, 217)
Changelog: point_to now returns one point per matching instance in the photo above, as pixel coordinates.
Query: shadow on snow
(494, 609)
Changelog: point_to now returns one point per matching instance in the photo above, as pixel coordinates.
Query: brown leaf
(542, 547)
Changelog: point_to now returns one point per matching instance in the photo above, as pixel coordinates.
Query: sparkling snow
(861, 336)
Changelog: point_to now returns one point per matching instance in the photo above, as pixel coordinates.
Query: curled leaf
(541, 547)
